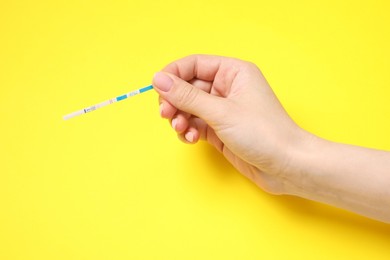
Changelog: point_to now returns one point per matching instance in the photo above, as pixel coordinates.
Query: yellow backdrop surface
(117, 184)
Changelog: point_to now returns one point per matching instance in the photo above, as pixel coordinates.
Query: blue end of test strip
(145, 88)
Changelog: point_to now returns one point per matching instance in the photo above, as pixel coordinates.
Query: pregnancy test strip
(107, 102)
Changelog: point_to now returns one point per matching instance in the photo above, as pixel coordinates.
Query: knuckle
(250, 65)
(186, 96)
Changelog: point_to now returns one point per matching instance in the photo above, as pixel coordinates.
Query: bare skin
(228, 103)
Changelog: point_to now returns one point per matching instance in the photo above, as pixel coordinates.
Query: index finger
(203, 67)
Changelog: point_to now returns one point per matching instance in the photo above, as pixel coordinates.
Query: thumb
(187, 97)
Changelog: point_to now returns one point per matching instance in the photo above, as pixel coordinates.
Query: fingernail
(162, 81)
(161, 109)
(189, 137)
(174, 122)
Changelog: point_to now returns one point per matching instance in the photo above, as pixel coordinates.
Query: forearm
(346, 176)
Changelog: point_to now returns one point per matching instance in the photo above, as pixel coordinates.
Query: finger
(203, 67)
(219, 71)
(166, 109)
(201, 84)
(180, 123)
(216, 88)
(200, 125)
(187, 97)
(184, 114)
(191, 136)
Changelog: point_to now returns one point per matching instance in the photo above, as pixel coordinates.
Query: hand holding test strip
(229, 103)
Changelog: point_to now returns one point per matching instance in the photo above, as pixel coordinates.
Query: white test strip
(107, 102)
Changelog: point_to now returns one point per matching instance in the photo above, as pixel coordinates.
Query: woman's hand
(229, 103)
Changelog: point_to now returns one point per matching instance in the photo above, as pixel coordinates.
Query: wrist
(297, 174)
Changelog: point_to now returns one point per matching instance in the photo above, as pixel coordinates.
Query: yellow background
(117, 184)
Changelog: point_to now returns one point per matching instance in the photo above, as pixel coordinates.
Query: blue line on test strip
(121, 97)
(108, 102)
(141, 90)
